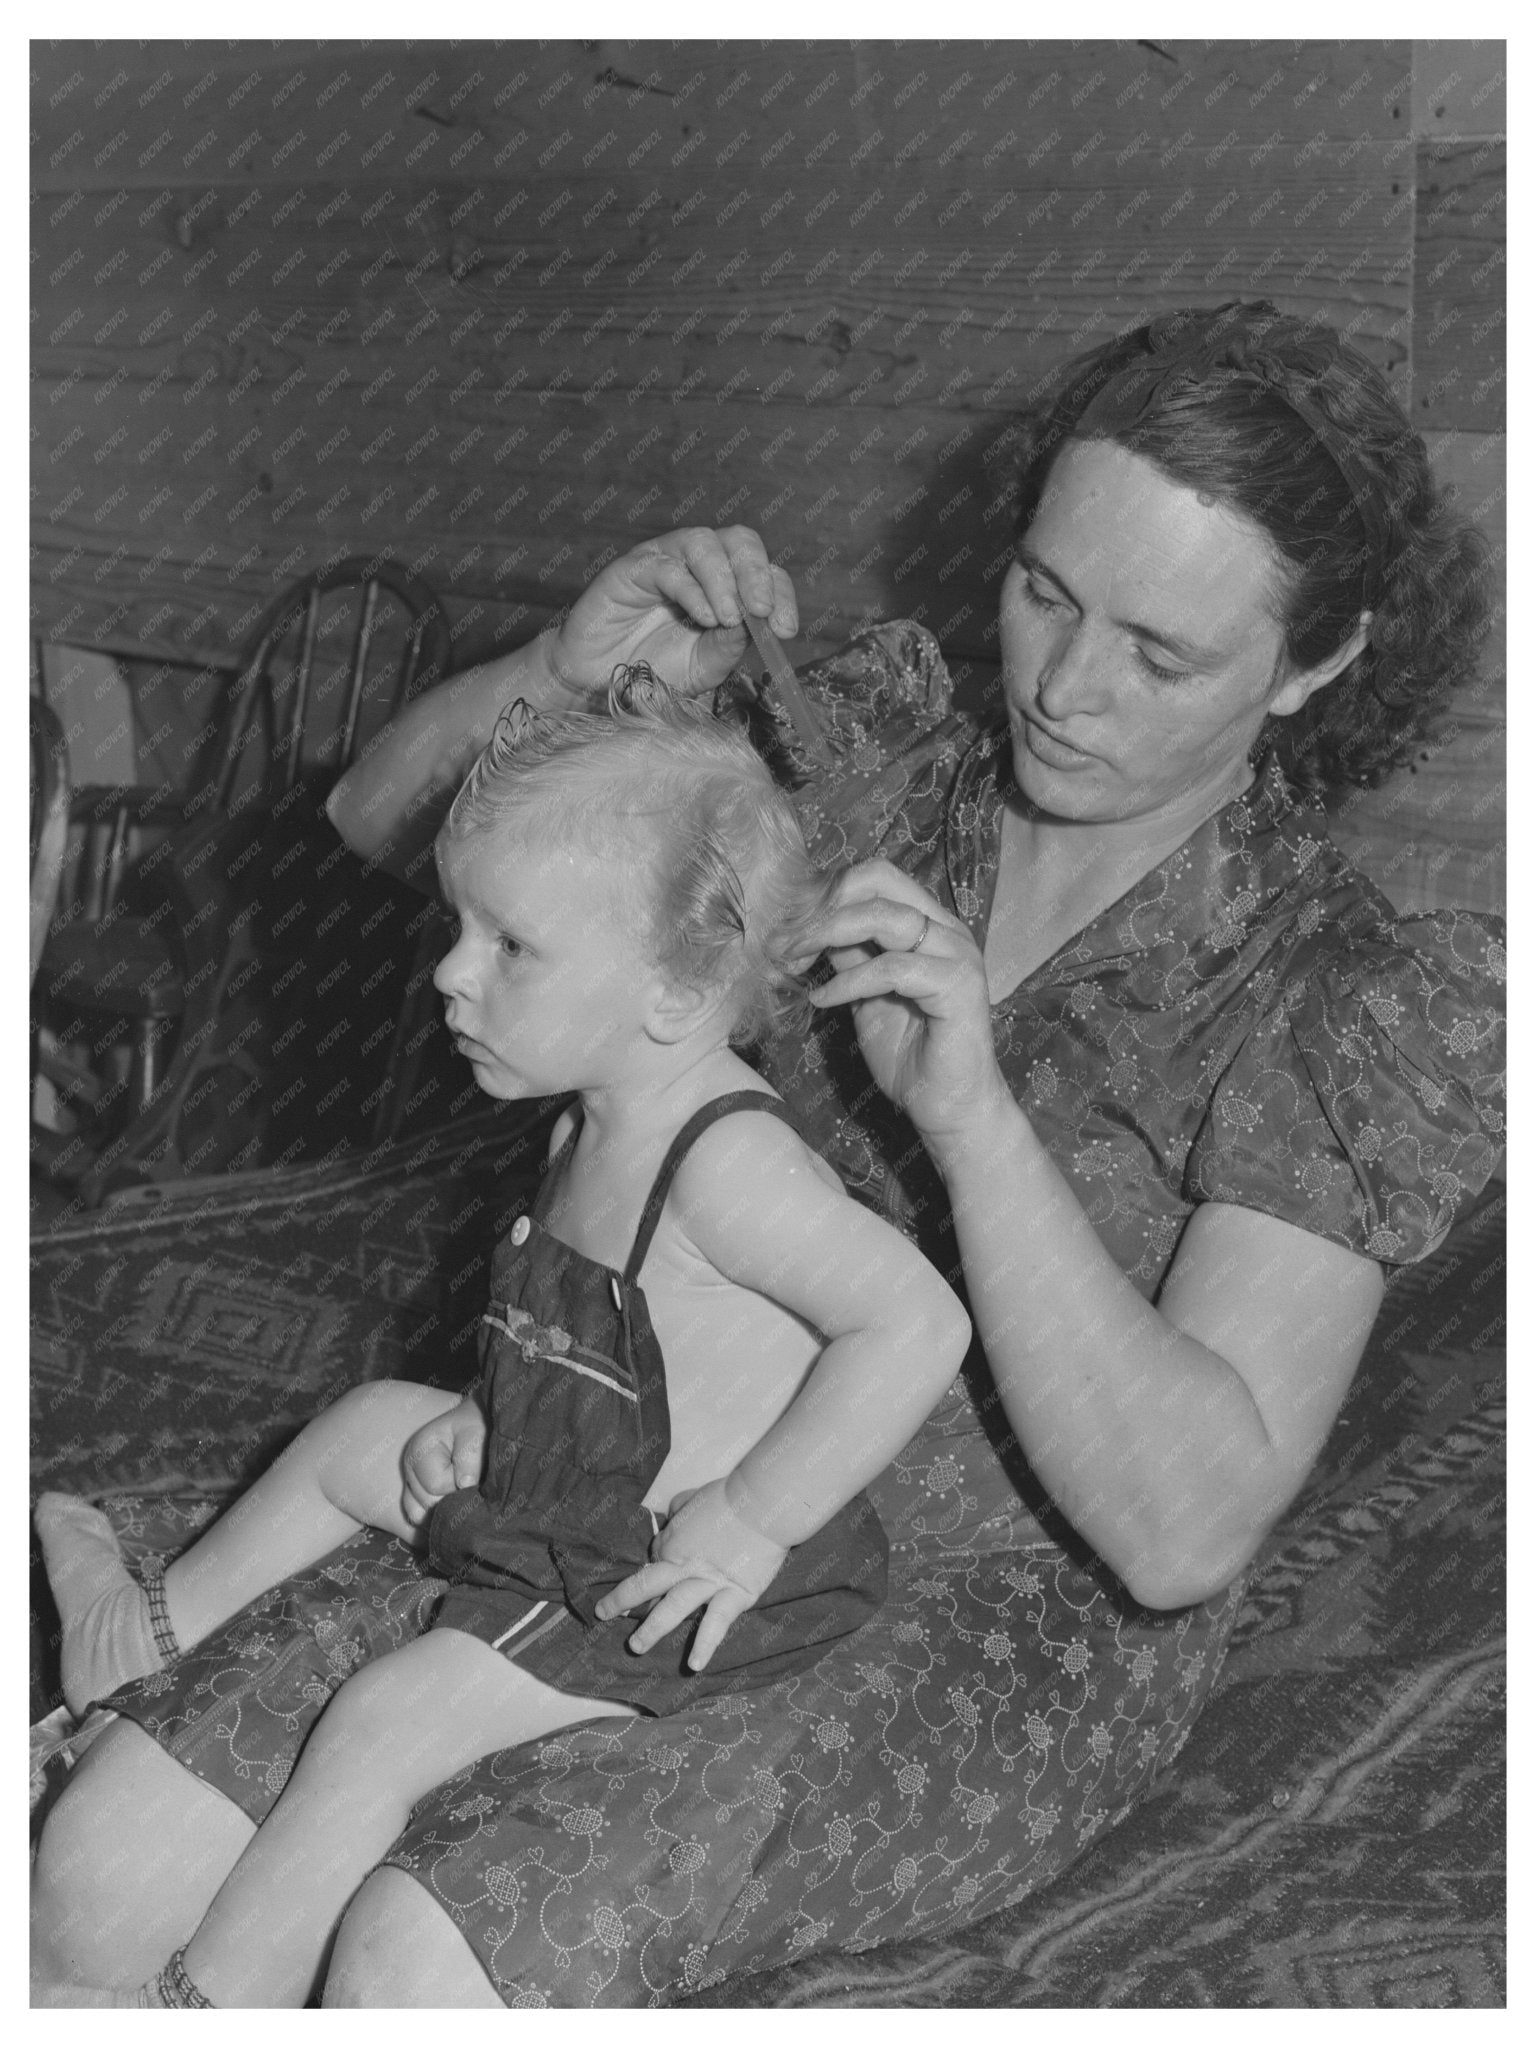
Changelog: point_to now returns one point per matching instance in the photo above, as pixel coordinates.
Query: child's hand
(443, 1455)
(706, 1556)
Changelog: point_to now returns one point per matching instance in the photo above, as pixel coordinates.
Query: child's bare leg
(341, 1474)
(129, 1861)
(392, 1732)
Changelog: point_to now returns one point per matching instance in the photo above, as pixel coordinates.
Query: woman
(1128, 1046)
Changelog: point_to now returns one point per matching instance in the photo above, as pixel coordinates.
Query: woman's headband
(1180, 354)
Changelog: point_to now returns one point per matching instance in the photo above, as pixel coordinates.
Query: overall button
(520, 1230)
(616, 1291)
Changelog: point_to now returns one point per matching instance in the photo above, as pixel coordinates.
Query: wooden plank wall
(1437, 835)
(500, 309)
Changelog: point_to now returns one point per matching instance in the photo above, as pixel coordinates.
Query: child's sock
(113, 1628)
(173, 1990)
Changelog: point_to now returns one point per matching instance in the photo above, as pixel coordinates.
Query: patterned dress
(1250, 1024)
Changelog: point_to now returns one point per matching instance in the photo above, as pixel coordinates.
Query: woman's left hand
(913, 977)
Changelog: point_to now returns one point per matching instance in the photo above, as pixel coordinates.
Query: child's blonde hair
(732, 888)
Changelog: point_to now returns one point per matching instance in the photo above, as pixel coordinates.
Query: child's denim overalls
(575, 1392)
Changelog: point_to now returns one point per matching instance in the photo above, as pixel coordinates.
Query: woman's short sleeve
(887, 677)
(884, 704)
(1366, 1104)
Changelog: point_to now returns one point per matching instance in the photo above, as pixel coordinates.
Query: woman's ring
(917, 943)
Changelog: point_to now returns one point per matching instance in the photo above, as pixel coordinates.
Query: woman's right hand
(676, 602)
(912, 977)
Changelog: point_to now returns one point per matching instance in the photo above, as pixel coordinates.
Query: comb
(796, 703)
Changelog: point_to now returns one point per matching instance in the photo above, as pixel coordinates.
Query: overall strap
(697, 1124)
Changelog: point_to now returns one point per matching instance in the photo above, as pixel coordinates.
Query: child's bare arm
(755, 1204)
(758, 1207)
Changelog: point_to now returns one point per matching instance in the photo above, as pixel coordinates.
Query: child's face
(546, 986)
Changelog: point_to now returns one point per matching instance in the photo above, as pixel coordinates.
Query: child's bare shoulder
(744, 1155)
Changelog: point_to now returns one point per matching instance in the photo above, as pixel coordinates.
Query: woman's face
(1140, 652)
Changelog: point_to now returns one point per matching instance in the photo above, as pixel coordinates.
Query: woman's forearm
(1150, 1443)
(391, 801)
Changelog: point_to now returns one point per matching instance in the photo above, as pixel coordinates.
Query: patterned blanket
(1332, 1834)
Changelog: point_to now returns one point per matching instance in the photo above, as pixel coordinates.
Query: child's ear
(677, 1011)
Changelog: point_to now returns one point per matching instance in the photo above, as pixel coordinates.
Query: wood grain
(500, 309)
(679, 113)
(1459, 88)
(1459, 287)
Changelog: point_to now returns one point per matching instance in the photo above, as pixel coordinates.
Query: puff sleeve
(885, 706)
(1366, 1103)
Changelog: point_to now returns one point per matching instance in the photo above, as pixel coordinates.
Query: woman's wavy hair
(707, 844)
(1283, 421)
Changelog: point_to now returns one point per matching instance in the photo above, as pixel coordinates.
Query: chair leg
(149, 1037)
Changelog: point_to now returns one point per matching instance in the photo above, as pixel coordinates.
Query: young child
(630, 895)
